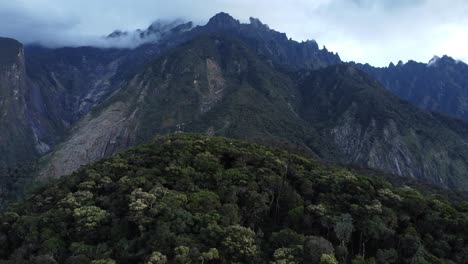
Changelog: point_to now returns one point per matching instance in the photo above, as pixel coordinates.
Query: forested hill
(194, 199)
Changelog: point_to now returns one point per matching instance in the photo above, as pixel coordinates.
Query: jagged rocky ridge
(441, 85)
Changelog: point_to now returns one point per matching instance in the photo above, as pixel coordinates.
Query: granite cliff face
(19, 140)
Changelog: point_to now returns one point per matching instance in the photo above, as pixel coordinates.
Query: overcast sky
(374, 31)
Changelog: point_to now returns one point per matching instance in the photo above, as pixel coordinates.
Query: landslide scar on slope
(216, 85)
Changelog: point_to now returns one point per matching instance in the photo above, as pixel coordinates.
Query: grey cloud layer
(374, 31)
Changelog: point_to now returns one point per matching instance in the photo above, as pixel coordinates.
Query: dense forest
(187, 198)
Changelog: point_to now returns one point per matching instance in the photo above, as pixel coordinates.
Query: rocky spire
(223, 21)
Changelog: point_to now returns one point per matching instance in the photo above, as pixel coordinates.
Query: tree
(239, 243)
(211, 254)
(287, 256)
(89, 218)
(314, 247)
(182, 255)
(344, 228)
(328, 259)
(156, 258)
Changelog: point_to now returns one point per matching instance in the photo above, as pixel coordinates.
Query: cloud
(374, 31)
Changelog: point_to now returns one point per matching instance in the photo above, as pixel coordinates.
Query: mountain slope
(217, 85)
(438, 86)
(188, 198)
(213, 84)
(373, 127)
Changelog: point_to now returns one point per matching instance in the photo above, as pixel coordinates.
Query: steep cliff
(18, 142)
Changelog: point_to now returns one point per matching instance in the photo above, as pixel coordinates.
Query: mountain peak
(444, 60)
(223, 20)
(433, 61)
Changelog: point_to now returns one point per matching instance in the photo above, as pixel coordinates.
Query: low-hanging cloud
(374, 31)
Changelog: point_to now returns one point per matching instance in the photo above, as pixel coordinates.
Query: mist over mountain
(352, 28)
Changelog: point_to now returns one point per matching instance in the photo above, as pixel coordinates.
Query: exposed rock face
(91, 139)
(18, 142)
(372, 127)
(73, 81)
(216, 85)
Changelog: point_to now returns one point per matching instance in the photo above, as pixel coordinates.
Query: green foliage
(89, 217)
(344, 228)
(193, 199)
(240, 244)
(103, 261)
(328, 259)
(156, 258)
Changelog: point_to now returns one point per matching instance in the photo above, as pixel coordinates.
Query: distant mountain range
(441, 85)
(68, 107)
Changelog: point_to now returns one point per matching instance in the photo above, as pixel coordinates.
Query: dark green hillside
(195, 199)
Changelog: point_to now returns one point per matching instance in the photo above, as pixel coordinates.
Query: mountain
(188, 198)
(441, 85)
(217, 84)
(240, 80)
(19, 138)
(62, 85)
(270, 44)
(373, 127)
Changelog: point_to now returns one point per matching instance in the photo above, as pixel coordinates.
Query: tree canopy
(193, 199)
